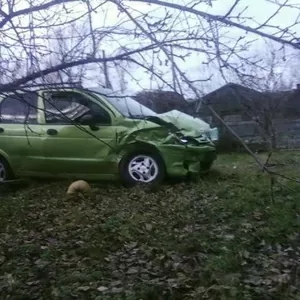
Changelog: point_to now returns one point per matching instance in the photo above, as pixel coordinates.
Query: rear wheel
(6, 172)
(142, 167)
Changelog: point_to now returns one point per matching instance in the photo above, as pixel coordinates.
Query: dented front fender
(180, 158)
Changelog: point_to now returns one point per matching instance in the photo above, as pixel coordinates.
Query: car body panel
(75, 151)
(20, 143)
(78, 147)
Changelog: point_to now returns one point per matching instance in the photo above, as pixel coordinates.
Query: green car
(94, 134)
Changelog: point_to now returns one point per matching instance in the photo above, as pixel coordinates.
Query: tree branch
(59, 67)
(25, 11)
(221, 19)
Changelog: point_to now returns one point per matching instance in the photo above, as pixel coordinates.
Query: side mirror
(94, 127)
(89, 120)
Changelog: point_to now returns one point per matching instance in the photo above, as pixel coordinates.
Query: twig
(272, 181)
(223, 20)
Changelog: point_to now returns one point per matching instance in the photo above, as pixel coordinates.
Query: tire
(130, 163)
(6, 172)
(206, 166)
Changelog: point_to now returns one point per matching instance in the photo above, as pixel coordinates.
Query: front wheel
(6, 172)
(142, 168)
(206, 166)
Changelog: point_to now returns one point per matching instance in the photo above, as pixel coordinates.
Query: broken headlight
(183, 140)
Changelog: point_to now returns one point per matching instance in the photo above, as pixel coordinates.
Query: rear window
(19, 108)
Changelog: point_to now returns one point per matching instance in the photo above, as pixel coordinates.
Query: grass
(223, 237)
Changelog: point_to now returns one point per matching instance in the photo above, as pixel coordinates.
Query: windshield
(129, 107)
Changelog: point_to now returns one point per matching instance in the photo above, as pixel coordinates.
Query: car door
(20, 141)
(70, 146)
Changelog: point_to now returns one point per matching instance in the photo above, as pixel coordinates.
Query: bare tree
(65, 43)
(178, 27)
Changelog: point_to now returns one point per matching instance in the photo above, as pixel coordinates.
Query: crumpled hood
(187, 124)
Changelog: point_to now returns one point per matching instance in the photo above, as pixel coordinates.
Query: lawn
(223, 237)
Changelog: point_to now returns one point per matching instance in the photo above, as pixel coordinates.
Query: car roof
(41, 88)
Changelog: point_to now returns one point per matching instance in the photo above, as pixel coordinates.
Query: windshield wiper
(140, 116)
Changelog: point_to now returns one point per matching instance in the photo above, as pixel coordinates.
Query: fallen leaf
(148, 227)
(116, 290)
(116, 283)
(83, 288)
(229, 236)
(102, 288)
(132, 271)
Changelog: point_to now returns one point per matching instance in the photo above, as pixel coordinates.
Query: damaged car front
(195, 151)
(186, 144)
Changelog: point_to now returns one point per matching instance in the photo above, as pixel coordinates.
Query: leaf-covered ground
(223, 237)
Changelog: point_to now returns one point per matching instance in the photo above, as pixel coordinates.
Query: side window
(19, 108)
(70, 108)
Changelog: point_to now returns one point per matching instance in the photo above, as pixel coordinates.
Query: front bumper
(184, 160)
(200, 166)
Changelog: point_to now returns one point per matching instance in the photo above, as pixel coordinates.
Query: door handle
(1, 130)
(52, 131)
